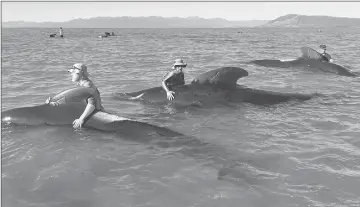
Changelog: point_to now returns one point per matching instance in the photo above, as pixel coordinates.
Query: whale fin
(225, 77)
(310, 53)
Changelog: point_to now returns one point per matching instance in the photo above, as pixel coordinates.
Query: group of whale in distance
(218, 85)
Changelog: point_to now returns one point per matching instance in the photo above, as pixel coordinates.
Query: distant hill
(295, 20)
(138, 22)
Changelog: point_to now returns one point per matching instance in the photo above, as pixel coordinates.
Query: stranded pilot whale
(216, 85)
(310, 60)
(71, 104)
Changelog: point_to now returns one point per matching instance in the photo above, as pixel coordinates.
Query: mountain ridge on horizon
(289, 20)
(139, 22)
(296, 20)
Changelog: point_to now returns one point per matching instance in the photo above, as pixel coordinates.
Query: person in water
(61, 32)
(174, 78)
(325, 56)
(80, 76)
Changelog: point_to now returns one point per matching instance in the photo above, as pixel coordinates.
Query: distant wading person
(61, 32)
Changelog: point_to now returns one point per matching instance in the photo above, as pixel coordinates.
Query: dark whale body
(217, 85)
(310, 60)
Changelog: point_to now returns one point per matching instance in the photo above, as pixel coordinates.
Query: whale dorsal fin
(309, 53)
(225, 77)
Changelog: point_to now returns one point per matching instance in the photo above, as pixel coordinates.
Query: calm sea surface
(292, 154)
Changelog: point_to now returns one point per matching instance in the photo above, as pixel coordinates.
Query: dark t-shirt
(95, 99)
(326, 57)
(175, 79)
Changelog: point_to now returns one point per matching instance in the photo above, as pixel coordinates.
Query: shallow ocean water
(290, 154)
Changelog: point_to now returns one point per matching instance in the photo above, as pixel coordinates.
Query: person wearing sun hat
(80, 76)
(174, 78)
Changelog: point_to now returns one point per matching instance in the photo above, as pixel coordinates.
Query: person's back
(96, 99)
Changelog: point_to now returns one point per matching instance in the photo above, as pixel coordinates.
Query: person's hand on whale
(170, 95)
(51, 103)
(77, 123)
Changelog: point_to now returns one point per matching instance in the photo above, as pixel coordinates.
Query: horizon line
(85, 18)
(172, 17)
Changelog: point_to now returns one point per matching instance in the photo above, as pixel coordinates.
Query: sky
(65, 11)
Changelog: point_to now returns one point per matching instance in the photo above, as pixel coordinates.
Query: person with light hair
(80, 76)
(174, 78)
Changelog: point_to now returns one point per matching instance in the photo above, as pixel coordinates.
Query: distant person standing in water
(61, 32)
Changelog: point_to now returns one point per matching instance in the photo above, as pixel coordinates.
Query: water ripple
(292, 154)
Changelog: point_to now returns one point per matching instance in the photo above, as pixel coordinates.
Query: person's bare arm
(163, 82)
(88, 110)
(169, 94)
(80, 121)
(90, 107)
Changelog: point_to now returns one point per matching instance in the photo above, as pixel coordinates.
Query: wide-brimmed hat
(78, 68)
(179, 62)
